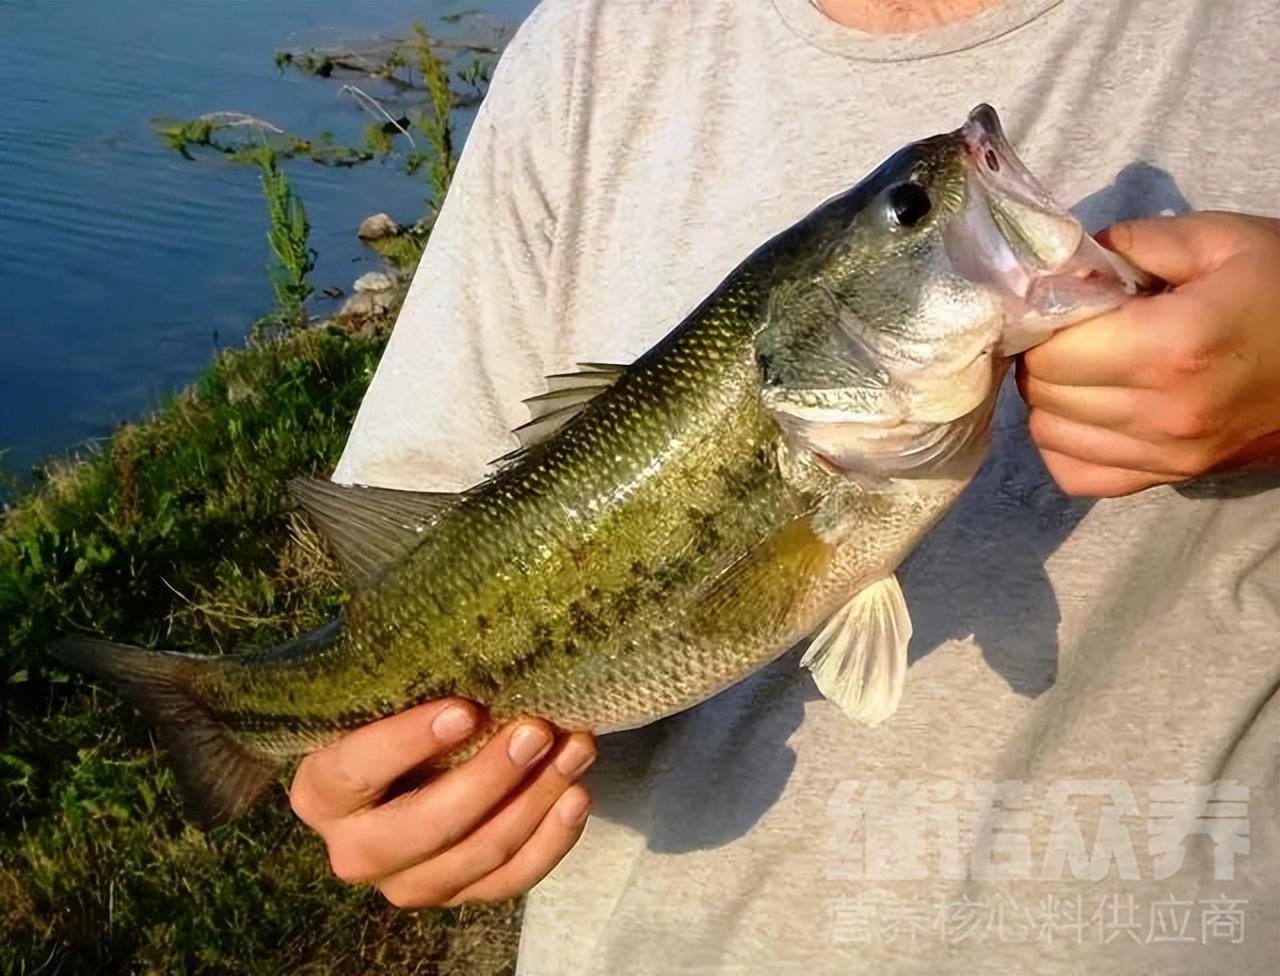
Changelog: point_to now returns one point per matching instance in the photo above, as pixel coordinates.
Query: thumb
(1177, 249)
(360, 767)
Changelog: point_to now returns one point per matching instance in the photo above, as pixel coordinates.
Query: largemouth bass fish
(671, 526)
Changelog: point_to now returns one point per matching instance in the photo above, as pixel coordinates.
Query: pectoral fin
(759, 592)
(859, 658)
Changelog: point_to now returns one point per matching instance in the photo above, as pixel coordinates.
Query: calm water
(119, 261)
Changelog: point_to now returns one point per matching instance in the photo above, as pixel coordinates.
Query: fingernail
(574, 758)
(453, 723)
(528, 743)
(573, 807)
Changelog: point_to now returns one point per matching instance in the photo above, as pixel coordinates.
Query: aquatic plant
(238, 136)
(392, 60)
(435, 121)
(288, 234)
(243, 138)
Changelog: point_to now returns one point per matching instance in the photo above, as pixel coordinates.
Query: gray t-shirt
(1082, 777)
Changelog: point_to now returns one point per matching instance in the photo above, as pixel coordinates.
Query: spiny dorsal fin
(567, 394)
(859, 659)
(369, 528)
(591, 376)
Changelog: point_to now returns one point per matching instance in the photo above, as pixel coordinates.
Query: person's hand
(487, 829)
(1169, 386)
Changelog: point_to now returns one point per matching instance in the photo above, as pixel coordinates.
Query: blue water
(119, 260)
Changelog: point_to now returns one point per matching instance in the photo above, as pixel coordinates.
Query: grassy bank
(179, 534)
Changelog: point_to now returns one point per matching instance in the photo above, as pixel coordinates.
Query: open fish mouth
(1053, 272)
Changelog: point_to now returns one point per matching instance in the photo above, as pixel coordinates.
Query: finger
(356, 770)
(1099, 445)
(1149, 342)
(1181, 248)
(1158, 417)
(1110, 350)
(1118, 408)
(554, 838)
(496, 841)
(1076, 477)
(418, 825)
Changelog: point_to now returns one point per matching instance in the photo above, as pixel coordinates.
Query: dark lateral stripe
(278, 722)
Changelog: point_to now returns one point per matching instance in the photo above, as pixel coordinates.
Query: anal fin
(859, 658)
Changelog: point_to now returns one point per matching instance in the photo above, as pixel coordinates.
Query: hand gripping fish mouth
(954, 259)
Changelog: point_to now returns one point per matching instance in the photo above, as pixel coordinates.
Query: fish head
(904, 297)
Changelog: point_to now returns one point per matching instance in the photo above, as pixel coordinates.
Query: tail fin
(218, 776)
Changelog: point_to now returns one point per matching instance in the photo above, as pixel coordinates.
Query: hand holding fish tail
(1170, 386)
(486, 829)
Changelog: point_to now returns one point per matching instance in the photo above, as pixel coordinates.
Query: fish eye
(909, 204)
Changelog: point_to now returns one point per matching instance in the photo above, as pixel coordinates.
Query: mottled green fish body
(755, 477)
(663, 546)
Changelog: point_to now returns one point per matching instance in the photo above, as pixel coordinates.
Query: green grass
(179, 534)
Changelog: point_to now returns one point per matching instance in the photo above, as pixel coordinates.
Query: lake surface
(119, 260)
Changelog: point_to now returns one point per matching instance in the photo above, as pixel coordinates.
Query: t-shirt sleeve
(471, 338)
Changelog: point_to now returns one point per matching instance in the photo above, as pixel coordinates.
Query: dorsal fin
(567, 394)
(369, 528)
(590, 376)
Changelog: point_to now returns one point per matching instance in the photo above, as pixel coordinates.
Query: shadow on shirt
(691, 782)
